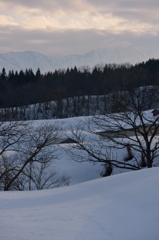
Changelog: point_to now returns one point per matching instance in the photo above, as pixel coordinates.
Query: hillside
(34, 60)
(123, 206)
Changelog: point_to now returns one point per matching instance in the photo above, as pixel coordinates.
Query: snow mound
(124, 206)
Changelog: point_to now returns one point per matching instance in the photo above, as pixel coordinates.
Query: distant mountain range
(34, 60)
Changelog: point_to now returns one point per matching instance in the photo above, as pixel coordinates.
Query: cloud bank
(67, 27)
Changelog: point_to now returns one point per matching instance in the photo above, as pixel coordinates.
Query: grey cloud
(133, 4)
(45, 5)
(71, 4)
(142, 4)
(141, 10)
(145, 11)
(69, 42)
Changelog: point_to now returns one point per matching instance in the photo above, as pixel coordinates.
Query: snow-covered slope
(25, 60)
(124, 206)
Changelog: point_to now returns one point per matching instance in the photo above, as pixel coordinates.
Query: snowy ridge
(24, 60)
(120, 207)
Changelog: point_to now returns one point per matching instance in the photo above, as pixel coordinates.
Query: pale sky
(65, 27)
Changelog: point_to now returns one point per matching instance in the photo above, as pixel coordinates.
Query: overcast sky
(61, 27)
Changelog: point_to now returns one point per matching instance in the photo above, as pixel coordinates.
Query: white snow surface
(33, 60)
(122, 206)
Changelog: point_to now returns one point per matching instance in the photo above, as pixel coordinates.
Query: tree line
(26, 87)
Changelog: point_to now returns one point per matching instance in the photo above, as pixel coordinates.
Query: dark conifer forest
(25, 88)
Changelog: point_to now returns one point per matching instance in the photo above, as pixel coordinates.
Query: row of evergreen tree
(26, 87)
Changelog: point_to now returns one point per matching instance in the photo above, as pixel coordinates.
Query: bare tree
(43, 175)
(26, 160)
(130, 129)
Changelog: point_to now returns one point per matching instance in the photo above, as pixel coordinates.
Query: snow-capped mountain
(34, 60)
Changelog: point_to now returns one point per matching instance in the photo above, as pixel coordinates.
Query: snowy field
(122, 206)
